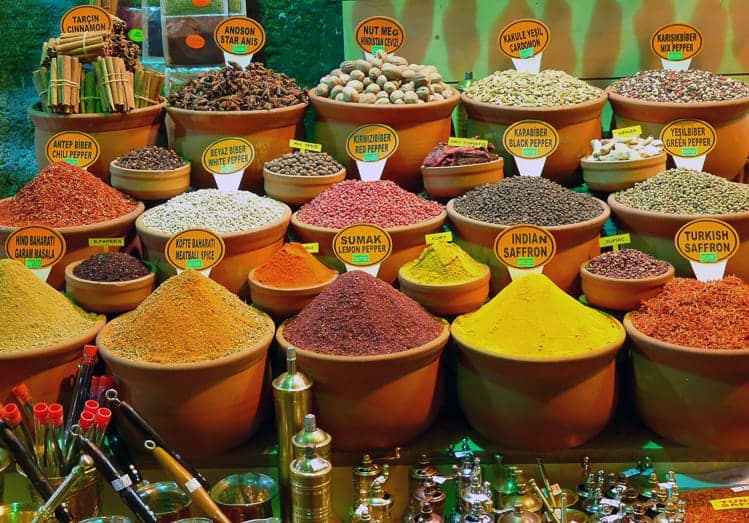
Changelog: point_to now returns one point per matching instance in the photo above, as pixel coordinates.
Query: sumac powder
(111, 267)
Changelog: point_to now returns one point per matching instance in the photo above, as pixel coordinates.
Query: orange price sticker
(195, 41)
(524, 38)
(73, 147)
(707, 240)
(372, 142)
(239, 35)
(35, 246)
(525, 246)
(379, 33)
(198, 249)
(688, 138)
(530, 139)
(362, 245)
(85, 19)
(676, 42)
(228, 155)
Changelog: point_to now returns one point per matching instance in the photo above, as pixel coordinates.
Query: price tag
(614, 241)
(524, 41)
(379, 33)
(362, 246)
(446, 236)
(556, 490)
(707, 243)
(85, 19)
(312, 248)
(627, 132)
(121, 483)
(73, 147)
(689, 142)
(530, 142)
(227, 159)
(239, 38)
(370, 146)
(37, 247)
(730, 503)
(106, 242)
(454, 141)
(524, 249)
(676, 44)
(195, 249)
(305, 146)
(740, 488)
(135, 35)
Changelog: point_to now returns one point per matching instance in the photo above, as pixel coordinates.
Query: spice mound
(360, 315)
(152, 158)
(443, 263)
(187, 319)
(527, 199)
(232, 88)
(690, 86)
(627, 264)
(304, 164)
(701, 510)
(620, 149)
(63, 195)
(444, 155)
(292, 267)
(533, 318)
(221, 212)
(111, 267)
(549, 88)
(702, 315)
(33, 315)
(381, 203)
(684, 191)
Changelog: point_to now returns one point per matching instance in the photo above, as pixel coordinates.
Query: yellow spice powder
(443, 263)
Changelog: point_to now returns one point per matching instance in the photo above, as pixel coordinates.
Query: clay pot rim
(135, 173)
(435, 345)
(322, 177)
(463, 169)
(59, 347)
(34, 112)
(640, 162)
(91, 227)
(617, 207)
(290, 290)
(638, 337)
(440, 218)
(650, 280)
(601, 100)
(321, 100)
(618, 98)
(109, 285)
(485, 276)
(276, 110)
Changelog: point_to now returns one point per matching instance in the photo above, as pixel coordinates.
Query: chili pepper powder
(292, 267)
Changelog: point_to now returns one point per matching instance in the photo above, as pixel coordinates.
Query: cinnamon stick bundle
(148, 85)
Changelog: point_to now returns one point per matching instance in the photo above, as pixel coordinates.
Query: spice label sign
(106, 243)
(312, 247)
(37, 247)
(614, 240)
(379, 33)
(530, 142)
(227, 159)
(435, 237)
(707, 243)
(633, 131)
(730, 503)
(676, 45)
(73, 147)
(305, 146)
(689, 142)
(195, 249)
(239, 37)
(524, 249)
(454, 141)
(363, 246)
(85, 19)
(370, 146)
(524, 41)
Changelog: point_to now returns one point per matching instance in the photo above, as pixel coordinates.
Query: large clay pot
(150, 184)
(621, 294)
(381, 401)
(297, 190)
(454, 180)
(190, 132)
(576, 125)
(696, 397)
(621, 174)
(107, 296)
(116, 133)
(730, 119)
(419, 126)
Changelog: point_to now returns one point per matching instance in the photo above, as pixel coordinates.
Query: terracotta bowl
(190, 132)
(729, 118)
(537, 405)
(696, 397)
(576, 125)
(408, 242)
(368, 402)
(419, 126)
(107, 297)
(621, 174)
(296, 190)
(46, 370)
(186, 403)
(621, 294)
(150, 184)
(448, 299)
(76, 241)
(448, 182)
(576, 243)
(653, 232)
(282, 302)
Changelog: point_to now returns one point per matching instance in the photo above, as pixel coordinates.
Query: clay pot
(107, 297)
(45, 370)
(150, 184)
(576, 125)
(448, 299)
(448, 182)
(653, 232)
(419, 126)
(368, 402)
(696, 397)
(296, 190)
(408, 242)
(190, 132)
(282, 302)
(76, 241)
(537, 405)
(116, 133)
(619, 294)
(202, 408)
(622, 174)
(729, 118)
(576, 243)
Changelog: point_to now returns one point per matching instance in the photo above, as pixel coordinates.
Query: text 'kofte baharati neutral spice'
(360, 315)
(188, 318)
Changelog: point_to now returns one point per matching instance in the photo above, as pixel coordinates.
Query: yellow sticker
(362, 245)
(530, 139)
(614, 240)
(106, 242)
(73, 147)
(85, 19)
(688, 138)
(627, 132)
(446, 236)
(676, 42)
(454, 141)
(372, 142)
(312, 248)
(35, 246)
(524, 38)
(730, 503)
(228, 155)
(197, 249)
(707, 240)
(239, 35)
(525, 246)
(305, 146)
(379, 33)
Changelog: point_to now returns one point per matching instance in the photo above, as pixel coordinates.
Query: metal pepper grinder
(463, 474)
(504, 481)
(427, 515)
(477, 516)
(477, 493)
(431, 492)
(524, 495)
(311, 434)
(310, 478)
(380, 502)
(362, 476)
(420, 472)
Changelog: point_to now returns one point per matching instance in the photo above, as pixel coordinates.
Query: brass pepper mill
(419, 472)
(310, 488)
(380, 502)
(426, 514)
(362, 476)
(431, 493)
(311, 434)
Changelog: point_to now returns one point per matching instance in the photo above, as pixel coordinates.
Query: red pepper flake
(700, 510)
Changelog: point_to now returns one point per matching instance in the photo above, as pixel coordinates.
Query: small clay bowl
(621, 174)
(105, 296)
(150, 184)
(450, 298)
(297, 190)
(282, 302)
(620, 294)
(451, 181)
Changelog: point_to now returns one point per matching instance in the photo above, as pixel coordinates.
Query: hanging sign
(195, 249)
(524, 41)
(707, 243)
(362, 247)
(227, 159)
(370, 146)
(524, 249)
(379, 33)
(106, 243)
(37, 247)
(689, 142)
(614, 240)
(454, 141)
(633, 131)
(305, 146)
(435, 237)
(239, 38)
(676, 44)
(85, 19)
(73, 147)
(530, 142)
